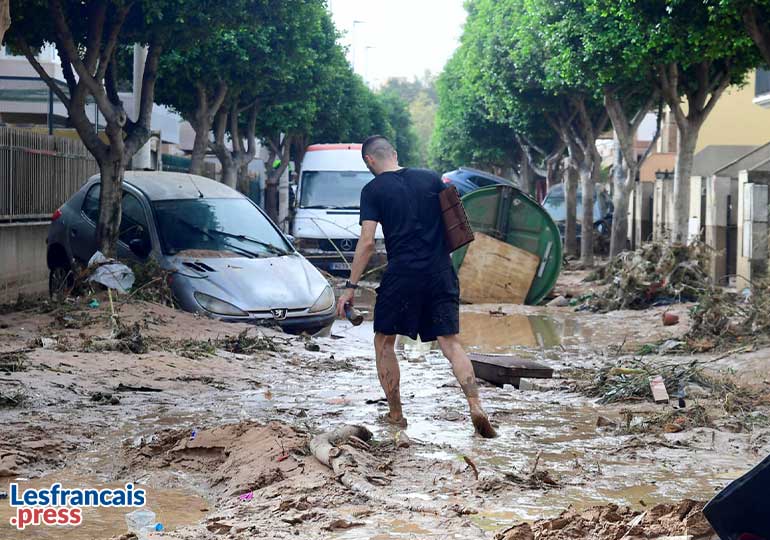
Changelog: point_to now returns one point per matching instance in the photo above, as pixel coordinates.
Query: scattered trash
(110, 273)
(670, 319)
(94, 303)
(603, 421)
(472, 466)
(193, 434)
(141, 522)
(312, 346)
(658, 388)
(246, 496)
(14, 361)
(245, 344)
(128, 388)
(48, 343)
(105, 398)
(559, 301)
(722, 318)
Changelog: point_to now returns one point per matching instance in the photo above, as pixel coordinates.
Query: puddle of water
(174, 508)
(480, 332)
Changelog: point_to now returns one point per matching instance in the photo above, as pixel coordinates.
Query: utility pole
(366, 64)
(142, 159)
(355, 42)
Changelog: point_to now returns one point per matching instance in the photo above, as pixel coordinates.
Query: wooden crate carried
(493, 271)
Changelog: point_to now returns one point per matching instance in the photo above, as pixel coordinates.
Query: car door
(82, 231)
(133, 226)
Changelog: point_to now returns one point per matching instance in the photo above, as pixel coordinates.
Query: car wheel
(61, 280)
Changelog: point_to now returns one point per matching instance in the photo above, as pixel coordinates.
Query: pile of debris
(682, 520)
(655, 274)
(630, 380)
(722, 318)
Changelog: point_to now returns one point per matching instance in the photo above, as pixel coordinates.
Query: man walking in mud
(419, 293)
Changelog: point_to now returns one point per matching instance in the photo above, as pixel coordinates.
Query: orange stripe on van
(338, 146)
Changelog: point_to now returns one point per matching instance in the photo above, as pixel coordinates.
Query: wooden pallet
(500, 369)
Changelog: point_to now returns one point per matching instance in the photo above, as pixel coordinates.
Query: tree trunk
(688, 138)
(619, 232)
(570, 202)
(5, 17)
(243, 178)
(527, 179)
(108, 226)
(587, 173)
(200, 146)
(229, 172)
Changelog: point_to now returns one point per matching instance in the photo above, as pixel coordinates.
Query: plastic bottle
(353, 315)
(141, 522)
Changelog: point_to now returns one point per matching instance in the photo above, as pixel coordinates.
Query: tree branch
(219, 98)
(32, 59)
(648, 150)
(96, 20)
(108, 51)
(757, 29)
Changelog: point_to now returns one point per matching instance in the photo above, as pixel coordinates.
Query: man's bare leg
(390, 376)
(463, 370)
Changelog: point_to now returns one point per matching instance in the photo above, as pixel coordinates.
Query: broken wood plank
(500, 369)
(493, 271)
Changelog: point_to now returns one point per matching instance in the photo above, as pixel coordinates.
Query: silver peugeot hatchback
(226, 257)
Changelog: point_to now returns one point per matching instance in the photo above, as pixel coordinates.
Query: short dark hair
(377, 146)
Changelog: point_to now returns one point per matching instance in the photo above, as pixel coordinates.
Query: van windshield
(333, 189)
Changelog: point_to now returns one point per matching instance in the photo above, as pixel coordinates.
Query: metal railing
(38, 173)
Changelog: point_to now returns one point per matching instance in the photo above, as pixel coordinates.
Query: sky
(398, 38)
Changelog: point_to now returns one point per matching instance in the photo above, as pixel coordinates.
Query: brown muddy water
(338, 384)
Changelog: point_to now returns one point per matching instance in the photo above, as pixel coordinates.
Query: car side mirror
(140, 247)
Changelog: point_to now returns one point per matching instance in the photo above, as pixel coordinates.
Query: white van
(326, 220)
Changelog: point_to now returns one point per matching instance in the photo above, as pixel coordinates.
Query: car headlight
(324, 302)
(217, 306)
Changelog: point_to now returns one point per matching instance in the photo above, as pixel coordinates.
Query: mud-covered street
(215, 420)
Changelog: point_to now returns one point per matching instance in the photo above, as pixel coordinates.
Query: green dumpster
(510, 215)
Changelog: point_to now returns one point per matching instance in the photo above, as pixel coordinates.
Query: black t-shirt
(406, 203)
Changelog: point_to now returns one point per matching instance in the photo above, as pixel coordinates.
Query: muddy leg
(390, 376)
(463, 370)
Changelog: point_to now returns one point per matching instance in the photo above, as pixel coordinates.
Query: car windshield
(233, 225)
(333, 189)
(557, 209)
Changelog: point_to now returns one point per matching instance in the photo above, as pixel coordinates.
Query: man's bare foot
(399, 421)
(481, 423)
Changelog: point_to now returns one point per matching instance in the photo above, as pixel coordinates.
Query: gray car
(228, 260)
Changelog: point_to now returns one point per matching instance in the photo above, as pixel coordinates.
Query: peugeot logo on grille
(279, 314)
(346, 244)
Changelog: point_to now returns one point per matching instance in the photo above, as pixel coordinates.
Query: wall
(736, 119)
(23, 269)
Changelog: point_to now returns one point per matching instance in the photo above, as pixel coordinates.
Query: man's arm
(364, 252)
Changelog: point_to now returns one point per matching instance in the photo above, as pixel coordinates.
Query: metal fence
(38, 173)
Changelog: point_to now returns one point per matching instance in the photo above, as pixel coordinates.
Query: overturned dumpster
(517, 255)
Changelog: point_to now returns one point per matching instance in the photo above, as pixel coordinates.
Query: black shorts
(424, 304)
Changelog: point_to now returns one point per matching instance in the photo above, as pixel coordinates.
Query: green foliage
(405, 139)
(421, 98)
